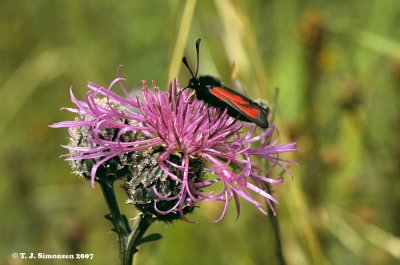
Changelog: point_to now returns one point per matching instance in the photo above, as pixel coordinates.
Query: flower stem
(271, 213)
(121, 227)
(276, 232)
(128, 239)
(142, 224)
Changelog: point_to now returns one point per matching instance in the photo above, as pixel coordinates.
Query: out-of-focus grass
(338, 69)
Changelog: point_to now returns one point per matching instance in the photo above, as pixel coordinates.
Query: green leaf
(150, 238)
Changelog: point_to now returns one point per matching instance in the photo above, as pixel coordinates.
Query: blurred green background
(337, 65)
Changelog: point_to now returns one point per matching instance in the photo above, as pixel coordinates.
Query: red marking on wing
(252, 112)
(225, 95)
(244, 105)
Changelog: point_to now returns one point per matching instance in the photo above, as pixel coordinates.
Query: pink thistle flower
(163, 144)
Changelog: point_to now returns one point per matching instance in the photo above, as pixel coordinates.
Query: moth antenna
(185, 62)
(198, 55)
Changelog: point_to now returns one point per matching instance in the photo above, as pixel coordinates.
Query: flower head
(163, 144)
